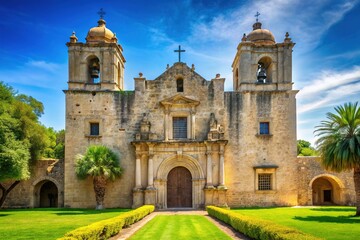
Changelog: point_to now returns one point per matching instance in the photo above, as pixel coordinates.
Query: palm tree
(100, 163)
(339, 143)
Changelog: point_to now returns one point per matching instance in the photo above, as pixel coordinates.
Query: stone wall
(113, 110)
(309, 169)
(120, 115)
(27, 193)
(248, 149)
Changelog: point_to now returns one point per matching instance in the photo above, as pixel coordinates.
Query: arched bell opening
(119, 76)
(93, 64)
(236, 85)
(264, 72)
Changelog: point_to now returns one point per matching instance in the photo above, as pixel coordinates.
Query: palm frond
(339, 138)
(98, 160)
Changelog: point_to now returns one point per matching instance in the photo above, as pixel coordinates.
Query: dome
(101, 34)
(261, 36)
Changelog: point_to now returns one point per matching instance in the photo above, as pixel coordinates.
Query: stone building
(183, 140)
(45, 188)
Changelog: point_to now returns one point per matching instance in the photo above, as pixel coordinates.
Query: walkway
(127, 232)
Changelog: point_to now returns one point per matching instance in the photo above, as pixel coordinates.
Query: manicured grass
(331, 223)
(48, 223)
(179, 227)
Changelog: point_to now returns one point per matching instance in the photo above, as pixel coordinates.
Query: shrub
(109, 227)
(257, 228)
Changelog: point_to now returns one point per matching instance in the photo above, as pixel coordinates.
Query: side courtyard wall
(26, 193)
(309, 170)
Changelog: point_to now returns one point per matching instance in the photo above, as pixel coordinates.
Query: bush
(257, 228)
(109, 227)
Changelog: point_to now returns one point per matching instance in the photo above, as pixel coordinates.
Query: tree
(56, 147)
(339, 143)
(22, 137)
(101, 164)
(14, 158)
(304, 148)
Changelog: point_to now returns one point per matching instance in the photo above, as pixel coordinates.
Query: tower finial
(257, 16)
(101, 13)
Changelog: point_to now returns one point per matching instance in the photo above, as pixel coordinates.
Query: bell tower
(97, 64)
(261, 61)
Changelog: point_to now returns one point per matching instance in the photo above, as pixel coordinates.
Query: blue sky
(326, 57)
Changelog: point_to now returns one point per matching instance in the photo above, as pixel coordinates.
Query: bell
(94, 70)
(94, 73)
(261, 76)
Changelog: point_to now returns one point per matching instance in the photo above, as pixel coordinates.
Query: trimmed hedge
(257, 228)
(109, 227)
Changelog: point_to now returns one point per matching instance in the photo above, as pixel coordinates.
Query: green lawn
(179, 227)
(331, 223)
(48, 223)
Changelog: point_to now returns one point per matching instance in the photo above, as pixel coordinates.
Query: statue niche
(216, 131)
(145, 127)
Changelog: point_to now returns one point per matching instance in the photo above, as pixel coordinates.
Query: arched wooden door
(179, 188)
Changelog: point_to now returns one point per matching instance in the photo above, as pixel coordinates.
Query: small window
(180, 85)
(264, 181)
(179, 127)
(94, 129)
(264, 128)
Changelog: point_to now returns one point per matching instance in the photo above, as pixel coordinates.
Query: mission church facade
(184, 141)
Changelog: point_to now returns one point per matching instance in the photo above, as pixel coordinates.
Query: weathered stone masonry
(183, 140)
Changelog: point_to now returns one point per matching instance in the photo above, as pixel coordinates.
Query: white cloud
(329, 79)
(159, 37)
(334, 97)
(301, 19)
(345, 55)
(330, 89)
(48, 66)
(37, 74)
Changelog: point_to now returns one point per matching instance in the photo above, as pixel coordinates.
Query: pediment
(179, 101)
(180, 69)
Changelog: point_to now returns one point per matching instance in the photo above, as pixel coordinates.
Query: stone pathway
(127, 232)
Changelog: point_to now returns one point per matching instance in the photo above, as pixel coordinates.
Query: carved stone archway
(197, 174)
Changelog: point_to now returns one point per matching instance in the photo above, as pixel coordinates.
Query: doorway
(179, 188)
(48, 195)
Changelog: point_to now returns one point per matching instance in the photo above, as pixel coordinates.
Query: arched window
(236, 79)
(119, 75)
(264, 72)
(94, 70)
(180, 85)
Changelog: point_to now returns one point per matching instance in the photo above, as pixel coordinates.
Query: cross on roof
(257, 16)
(101, 13)
(179, 51)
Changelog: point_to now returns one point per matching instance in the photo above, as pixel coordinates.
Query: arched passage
(46, 194)
(179, 188)
(326, 190)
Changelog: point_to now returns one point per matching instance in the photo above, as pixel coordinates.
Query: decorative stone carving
(145, 130)
(216, 130)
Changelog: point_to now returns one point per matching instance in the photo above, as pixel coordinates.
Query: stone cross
(257, 16)
(101, 13)
(179, 51)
